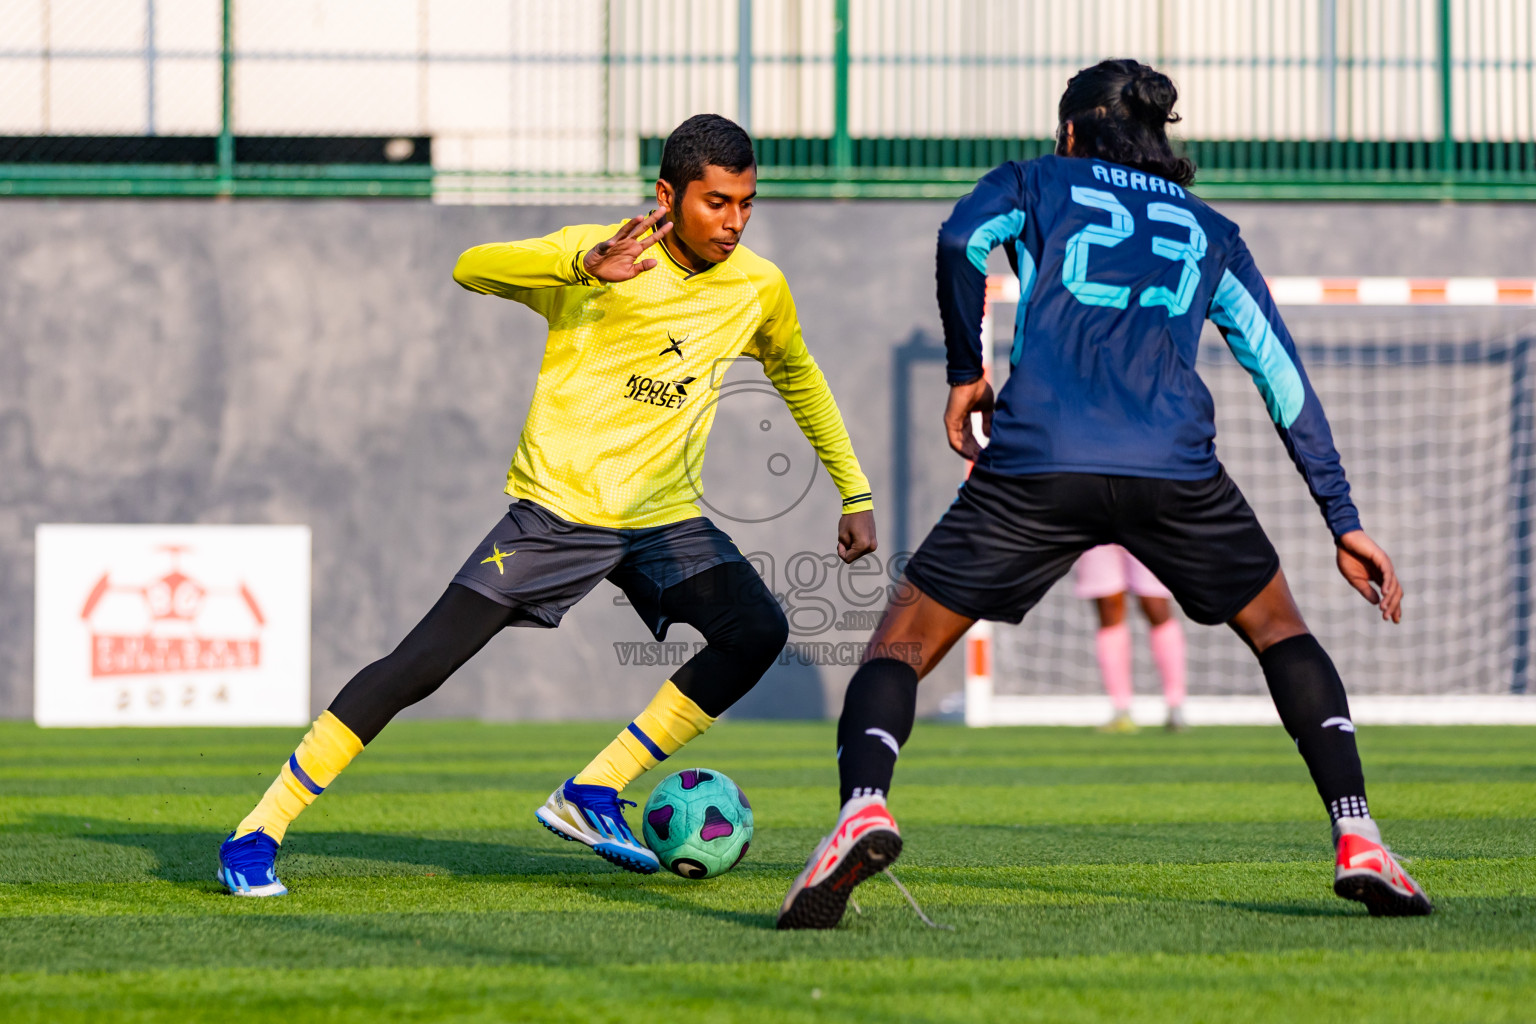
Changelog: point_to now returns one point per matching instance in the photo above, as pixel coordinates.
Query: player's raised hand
(618, 259)
(856, 535)
(1368, 569)
(965, 399)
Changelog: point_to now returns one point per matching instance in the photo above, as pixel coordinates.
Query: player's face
(711, 214)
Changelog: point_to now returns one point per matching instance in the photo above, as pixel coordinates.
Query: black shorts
(540, 565)
(1007, 539)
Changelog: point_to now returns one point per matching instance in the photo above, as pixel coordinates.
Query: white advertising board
(172, 625)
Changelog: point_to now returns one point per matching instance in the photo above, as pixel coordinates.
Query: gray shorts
(541, 565)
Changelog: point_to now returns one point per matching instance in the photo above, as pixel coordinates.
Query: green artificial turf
(1086, 877)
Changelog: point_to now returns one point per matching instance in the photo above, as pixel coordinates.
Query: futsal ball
(698, 822)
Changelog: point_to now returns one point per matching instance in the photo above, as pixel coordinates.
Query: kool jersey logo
(669, 394)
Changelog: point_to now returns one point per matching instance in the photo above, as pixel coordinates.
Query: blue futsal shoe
(245, 865)
(594, 815)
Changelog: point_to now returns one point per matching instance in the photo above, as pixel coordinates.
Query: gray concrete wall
(298, 362)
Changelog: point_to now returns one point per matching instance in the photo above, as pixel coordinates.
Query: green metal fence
(496, 100)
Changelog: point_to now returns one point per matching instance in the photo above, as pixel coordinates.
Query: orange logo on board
(182, 625)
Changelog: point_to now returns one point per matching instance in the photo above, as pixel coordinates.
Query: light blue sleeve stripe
(1026, 289)
(992, 234)
(1260, 352)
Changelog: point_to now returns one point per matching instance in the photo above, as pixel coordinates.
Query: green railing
(1429, 99)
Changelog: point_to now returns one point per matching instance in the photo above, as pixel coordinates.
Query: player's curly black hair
(701, 141)
(1120, 111)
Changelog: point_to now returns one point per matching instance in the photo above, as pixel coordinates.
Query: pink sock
(1113, 645)
(1168, 652)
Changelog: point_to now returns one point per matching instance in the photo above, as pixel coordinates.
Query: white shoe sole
(270, 889)
(560, 826)
(617, 854)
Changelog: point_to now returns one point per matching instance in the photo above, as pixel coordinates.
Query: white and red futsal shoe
(864, 843)
(1365, 870)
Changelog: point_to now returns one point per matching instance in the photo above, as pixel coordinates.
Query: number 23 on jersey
(1074, 269)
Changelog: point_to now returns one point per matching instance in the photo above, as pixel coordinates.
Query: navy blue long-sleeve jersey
(1118, 270)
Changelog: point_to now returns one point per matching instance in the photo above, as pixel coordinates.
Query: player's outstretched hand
(965, 399)
(618, 259)
(856, 535)
(1368, 569)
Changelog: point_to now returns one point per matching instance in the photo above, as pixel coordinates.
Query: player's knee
(760, 631)
(1156, 609)
(414, 675)
(1261, 636)
(1111, 610)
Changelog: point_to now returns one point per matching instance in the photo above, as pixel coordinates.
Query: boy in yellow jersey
(644, 318)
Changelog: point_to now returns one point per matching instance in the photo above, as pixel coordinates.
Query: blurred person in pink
(1104, 575)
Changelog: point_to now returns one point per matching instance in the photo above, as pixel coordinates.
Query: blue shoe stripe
(303, 776)
(649, 744)
(246, 864)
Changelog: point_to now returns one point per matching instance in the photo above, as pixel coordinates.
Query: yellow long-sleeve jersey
(627, 389)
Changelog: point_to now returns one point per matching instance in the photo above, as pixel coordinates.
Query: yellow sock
(326, 749)
(668, 721)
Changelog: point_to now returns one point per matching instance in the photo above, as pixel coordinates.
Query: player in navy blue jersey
(1102, 434)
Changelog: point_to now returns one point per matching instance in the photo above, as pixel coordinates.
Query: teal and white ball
(698, 822)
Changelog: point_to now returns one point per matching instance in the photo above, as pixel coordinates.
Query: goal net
(1431, 410)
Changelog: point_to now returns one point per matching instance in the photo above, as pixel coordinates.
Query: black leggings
(743, 627)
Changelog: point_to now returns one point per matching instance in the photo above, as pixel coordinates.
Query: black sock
(1310, 698)
(878, 711)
